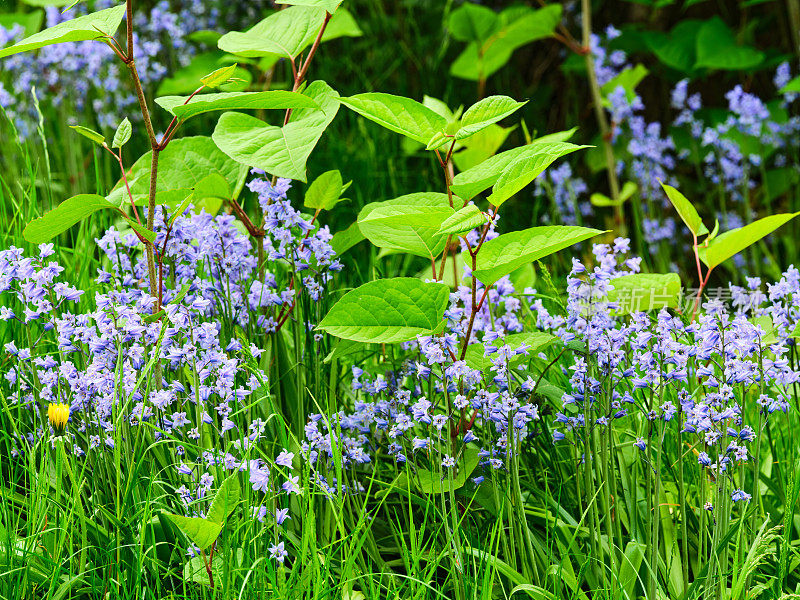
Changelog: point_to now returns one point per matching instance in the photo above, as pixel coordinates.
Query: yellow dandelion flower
(58, 415)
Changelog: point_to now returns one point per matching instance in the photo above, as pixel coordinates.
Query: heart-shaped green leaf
(409, 223)
(201, 532)
(285, 33)
(388, 311)
(396, 113)
(280, 151)
(325, 191)
(181, 165)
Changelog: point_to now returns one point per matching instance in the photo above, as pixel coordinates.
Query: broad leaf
(430, 482)
(201, 532)
(396, 113)
(686, 210)
(123, 134)
(88, 27)
(280, 151)
(472, 22)
(717, 49)
(464, 220)
(285, 33)
(518, 27)
(503, 254)
(485, 112)
(225, 501)
(628, 79)
(273, 99)
(409, 223)
(528, 167)
(324, 192)
(792, 87)
(645, 291)
(730, 243)
(64, 216)
(388, 311)
(344, 240)
(537, 340)
(181, 165)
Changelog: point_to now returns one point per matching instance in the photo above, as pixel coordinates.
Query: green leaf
(503, 254)
(464, 220)
(342, 24)
(472, 22)
(88, 27)
(528, 167)
(645, 291)
(485, 112)
(272, 99)
(537, 340)
(344, 240)
(628, 190)
(284, 33)
(717, 49)
(225, 501)
(30, 22)
(91, 134)
(792, 87)
(627, 79)
(431, 483)
(396, 113)
(517, 27)
(201, 532)
(280, 151)
(388, 311)
(686, 210)
(64, 216)
(328, 5)
(678, 48)
(181, 165)
(409, 223)
(123, 134)
(324, 192)
(218, 77)
(730, 243)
